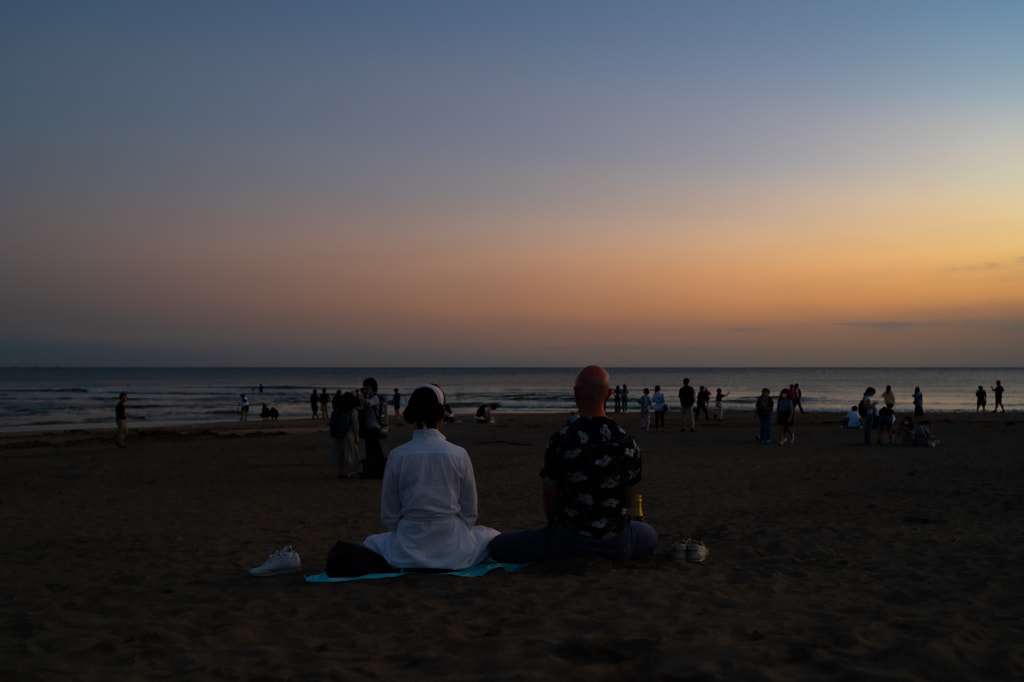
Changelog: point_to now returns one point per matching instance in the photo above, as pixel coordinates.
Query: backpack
(349, 560)
(862, 409)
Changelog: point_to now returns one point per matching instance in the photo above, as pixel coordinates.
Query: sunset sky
(512, 183)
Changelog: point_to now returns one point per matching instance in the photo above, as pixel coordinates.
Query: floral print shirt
(592, 462)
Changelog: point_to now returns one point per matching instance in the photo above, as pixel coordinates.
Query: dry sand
(829, 560)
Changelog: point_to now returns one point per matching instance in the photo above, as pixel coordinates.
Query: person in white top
(428, 500)
(852, 419)
(660, 407)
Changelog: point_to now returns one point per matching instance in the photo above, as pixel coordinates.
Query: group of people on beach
(359, 416)
(789, 401)
(692, 403)
(982, 397)
(590, 471)
(868, 415)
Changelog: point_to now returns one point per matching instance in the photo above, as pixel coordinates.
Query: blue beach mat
(471, 572)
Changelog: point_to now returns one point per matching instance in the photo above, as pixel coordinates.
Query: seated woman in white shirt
(428, 500)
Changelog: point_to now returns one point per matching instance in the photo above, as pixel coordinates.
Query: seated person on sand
(886, 424)
(428, 498)
(905, 431)
(590, 471)
(852, 419)
(428, 503)
(923, 436)
(485, 413)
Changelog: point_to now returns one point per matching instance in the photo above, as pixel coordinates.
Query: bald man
(590, 472)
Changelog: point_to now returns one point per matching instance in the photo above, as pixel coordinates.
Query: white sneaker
(687, 550)
(696, 552)
(677, 551)
(285, 560)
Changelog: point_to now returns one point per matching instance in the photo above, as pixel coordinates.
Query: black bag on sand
(351, 560)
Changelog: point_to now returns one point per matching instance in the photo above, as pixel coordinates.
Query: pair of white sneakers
(285, 560)
(688, 550)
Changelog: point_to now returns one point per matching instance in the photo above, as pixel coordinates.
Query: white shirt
(428, 502)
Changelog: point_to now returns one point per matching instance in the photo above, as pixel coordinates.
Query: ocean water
(84, 397)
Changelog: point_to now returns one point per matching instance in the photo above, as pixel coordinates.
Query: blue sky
(512, 183)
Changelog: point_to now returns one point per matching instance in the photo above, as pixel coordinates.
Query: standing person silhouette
(121, 417)
(889, 398)
(325, 400)
(918, 403)
(645, 409)
(660, 408)
(687, 397)
(763, 408)
(720, 409)
(370, 430)
(396, 402)
(998, 391)
(867, 409)
(345, 434)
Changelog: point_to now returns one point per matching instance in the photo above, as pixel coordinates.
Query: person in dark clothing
(687, 397)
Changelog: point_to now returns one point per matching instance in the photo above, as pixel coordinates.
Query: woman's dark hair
(345, 401)
(423, 407)
(371, 382)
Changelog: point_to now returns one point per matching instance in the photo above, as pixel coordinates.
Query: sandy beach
(829, 560)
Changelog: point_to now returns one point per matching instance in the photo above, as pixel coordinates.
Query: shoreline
(33, 436)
